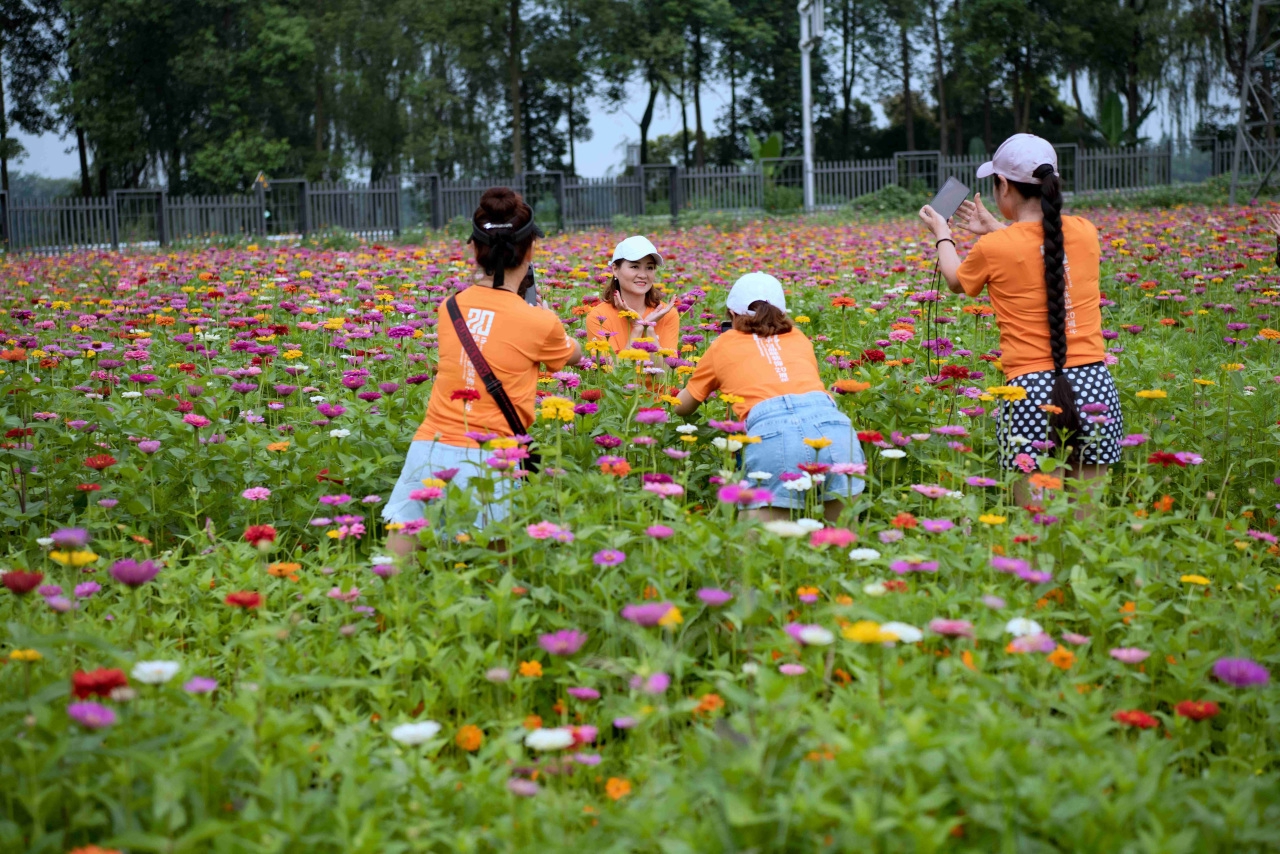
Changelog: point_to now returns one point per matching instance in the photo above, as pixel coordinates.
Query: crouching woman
(767, 367)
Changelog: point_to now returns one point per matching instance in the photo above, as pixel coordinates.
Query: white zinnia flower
(750, 668)
(893, 454)
(317, 398)
(731, 444)
(810, 525)
(687, 429)
(864, 554)
(130, 395)
(339, 434)
(784, 528)
(44, 542)
(382, 560)
(759, 475)
(415, 734)
(802, 484)
(155, 672)
(549, 739)
(906, 633)
(1021, 626)
(875, 589)
(816, 636)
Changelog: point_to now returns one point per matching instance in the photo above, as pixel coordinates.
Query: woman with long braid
(1042, 275)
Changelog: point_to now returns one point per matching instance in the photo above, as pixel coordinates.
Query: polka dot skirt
(1023, 428)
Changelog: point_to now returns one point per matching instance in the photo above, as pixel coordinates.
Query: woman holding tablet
(1042, 275)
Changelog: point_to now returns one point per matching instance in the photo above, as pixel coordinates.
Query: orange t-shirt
(604, 321)
(1010, 264)
(514, 338)
(756, 368)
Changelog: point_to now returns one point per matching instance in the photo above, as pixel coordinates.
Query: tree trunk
(319, 111)
(1075, 96)
(4, 134)
(1132, 96)
(908, 111)
(986, 119)
(848, 67)
(647, 119)
(699, 143)
(733, 98)
(573, 163)
(684, 126)
(1026, 94)
(513, 67)
(86, 188)
(942, 94)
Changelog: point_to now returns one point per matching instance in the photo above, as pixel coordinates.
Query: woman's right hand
(974, 218)
(1274, 219)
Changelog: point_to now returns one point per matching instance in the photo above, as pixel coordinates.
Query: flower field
(205, 647)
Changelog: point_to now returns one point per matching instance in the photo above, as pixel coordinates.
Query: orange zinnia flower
(1062, 658)
(469, 738)
(617, 788)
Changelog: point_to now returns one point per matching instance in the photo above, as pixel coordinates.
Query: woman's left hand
(935, 223)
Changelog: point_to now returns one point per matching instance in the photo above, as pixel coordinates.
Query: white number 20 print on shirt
(479, 322)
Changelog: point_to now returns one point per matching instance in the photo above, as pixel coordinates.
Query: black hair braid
(1066, 422)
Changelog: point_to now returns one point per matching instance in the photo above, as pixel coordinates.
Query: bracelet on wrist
(942, 240)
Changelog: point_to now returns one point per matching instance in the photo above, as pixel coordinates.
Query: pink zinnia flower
(584, 693)
(655, 684)
(930, 491)
(563, 642)
(652, 416)
(91, 715)
(1034, 643)
(1073, 638)
(256, 493)
(714, 596)
(646, 614)
(659, 532)
(742, 494)
(196, 421)
(937, 526)
(792, 669)
(666, 490)
(951, 628)
(839, 537)
(1130, 654)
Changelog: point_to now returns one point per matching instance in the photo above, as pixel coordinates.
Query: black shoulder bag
(492, 384)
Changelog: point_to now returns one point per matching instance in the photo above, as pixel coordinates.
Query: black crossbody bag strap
(492, 384)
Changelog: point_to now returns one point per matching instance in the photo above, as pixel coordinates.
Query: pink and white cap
(1019, 156)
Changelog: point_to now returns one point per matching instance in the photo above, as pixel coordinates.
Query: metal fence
(392, 206)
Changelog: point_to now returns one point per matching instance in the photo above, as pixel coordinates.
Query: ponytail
(1065, 422)
(768, 320)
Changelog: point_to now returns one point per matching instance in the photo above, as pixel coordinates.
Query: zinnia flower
(1135, 718)
(563, 642)
(646, 614)
(415, 733)
(1196, 710)
(91, 715)
(1241, 672)
(100, 682)
(155, 672)
(1130, 654)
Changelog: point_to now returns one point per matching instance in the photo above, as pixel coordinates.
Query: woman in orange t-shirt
(514, 338)
(630, 307)
(1042, 274)
(769, 367)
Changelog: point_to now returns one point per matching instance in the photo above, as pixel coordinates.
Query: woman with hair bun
(512, 337)
(630, 306)
(769, 368)
(1042, 275)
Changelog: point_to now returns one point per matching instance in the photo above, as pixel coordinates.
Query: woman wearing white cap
(1041, 273)
(630, 307)
(768, 366)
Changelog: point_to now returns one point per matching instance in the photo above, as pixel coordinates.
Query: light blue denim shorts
(783, 423)
(426, 458)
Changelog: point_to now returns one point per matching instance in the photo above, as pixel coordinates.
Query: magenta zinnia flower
(904, 566)
(647, 614)
(742, 494)
(584, 693)
(651, 416)
(714, 596)
(655, 684)
(563, 642)
(91, 715)
(608, 557)
(70, 538)
(129, 572)
(1241, 672)
(937, 526)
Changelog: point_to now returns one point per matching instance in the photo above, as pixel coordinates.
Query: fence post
(397, 184)
(673, 192)
(435, 186)
(560, 194)
(113, 220)
(304, 208)
(260, 193)
(4, 220)
(162, 236)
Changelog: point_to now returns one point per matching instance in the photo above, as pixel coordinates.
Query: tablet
(948, 200)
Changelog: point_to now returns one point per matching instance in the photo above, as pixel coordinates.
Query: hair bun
(499, 204)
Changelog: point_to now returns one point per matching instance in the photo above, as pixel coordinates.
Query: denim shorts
(426, 458)
(782, 424)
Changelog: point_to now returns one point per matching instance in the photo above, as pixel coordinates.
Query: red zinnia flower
(903, 520)
(259, 535)
(465, 394)
(101, 682)
(870, 436)
(323, 475)
(1134, 717)
(955, 372)
(1197, 710)
(590, 395)
(873, 355)
(244, 599)
(100, 461)
(1166, 459)
(21, 582)
(88, 487)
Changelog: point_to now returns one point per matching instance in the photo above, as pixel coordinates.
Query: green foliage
(891, 200)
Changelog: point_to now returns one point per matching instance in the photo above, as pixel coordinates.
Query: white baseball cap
(752, 287)
(1019, 156)
(634, 248)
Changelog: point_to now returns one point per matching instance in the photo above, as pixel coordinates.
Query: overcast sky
(611, 129)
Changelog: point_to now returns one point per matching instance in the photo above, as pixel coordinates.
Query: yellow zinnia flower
(1194, 579)
(1152, 394)
(866, 631)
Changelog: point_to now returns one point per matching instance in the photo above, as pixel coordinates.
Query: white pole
(806, 97)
